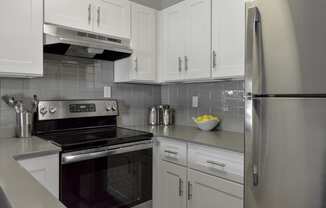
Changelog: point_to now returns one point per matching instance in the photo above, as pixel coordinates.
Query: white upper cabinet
(141, 66)
(112, 17)
(21, 38)
(197, 59)
(143, 40)
(109, 17)
(174, 42)
(70, 13)
(228, 29)
(187, 31)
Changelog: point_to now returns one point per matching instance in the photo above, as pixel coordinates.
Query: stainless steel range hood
(63, 41)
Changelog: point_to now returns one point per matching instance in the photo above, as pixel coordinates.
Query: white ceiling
(157, 4)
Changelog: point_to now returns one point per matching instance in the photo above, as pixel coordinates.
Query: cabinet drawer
(218, 162)
(173, 151)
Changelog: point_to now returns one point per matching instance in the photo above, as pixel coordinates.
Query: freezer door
(286, 146)
(292, 47)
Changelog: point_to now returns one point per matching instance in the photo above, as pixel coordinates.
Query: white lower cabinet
(207, 191)
(182, 185)
(45, 170)
(172, 186)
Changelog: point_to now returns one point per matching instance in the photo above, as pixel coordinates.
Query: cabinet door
(70, 13)
(45, 170)
(21, 38)
(174, 20)
(228, 29)
(197, 59)
(172, 186)
(207, 191)
(112, 17)
(143, 40)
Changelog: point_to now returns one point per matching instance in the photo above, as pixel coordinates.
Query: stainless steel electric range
(101, 165)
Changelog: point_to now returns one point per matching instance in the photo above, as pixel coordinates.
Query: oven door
(114, 177)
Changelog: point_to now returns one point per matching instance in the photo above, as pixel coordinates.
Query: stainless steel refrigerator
(285, 123)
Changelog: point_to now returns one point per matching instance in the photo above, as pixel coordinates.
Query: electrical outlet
(107, 91)
(195, 101)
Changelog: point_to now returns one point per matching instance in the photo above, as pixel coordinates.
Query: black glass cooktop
(90, 138)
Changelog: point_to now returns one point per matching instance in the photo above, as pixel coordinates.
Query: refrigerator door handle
(253, 33)
(251, 127)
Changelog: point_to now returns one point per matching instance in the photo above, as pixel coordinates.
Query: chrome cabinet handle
(180, 187)
(180, 64)
(223, 165)
(171, 152)
(98, 16)
(214, 59)
(186, 63)
(89, 13)
(189, 190)
(136, 64)
(253, 36)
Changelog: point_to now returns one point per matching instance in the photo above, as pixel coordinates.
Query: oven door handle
(78, 157)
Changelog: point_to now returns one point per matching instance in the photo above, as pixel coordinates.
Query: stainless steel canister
(24, 126)
(168, 117)
(160, 109)
(152, 116)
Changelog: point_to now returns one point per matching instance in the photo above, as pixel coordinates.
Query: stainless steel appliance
(101, 165)
(285, 134)
(64, 41)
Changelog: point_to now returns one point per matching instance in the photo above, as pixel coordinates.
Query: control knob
(53, 110)
(43, 110)
(108, 107)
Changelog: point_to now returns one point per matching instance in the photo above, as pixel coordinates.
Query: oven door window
(117, 181)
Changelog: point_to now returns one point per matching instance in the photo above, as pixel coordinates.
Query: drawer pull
(216, 163)
(170, 152)
(180, 187)
(189, 190)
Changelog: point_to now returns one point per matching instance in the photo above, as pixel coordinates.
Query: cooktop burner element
(89, 138)
(83, 124)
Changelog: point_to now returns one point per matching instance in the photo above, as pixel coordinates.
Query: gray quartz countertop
(222, 139)
(21, 189)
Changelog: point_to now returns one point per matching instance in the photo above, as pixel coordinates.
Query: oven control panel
(82, 108)
(50, 110)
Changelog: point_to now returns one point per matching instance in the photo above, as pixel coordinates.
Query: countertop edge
(14, 179)
(231, 141)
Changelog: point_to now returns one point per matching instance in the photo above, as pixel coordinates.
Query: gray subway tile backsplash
(224, 99)
(74, 78)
